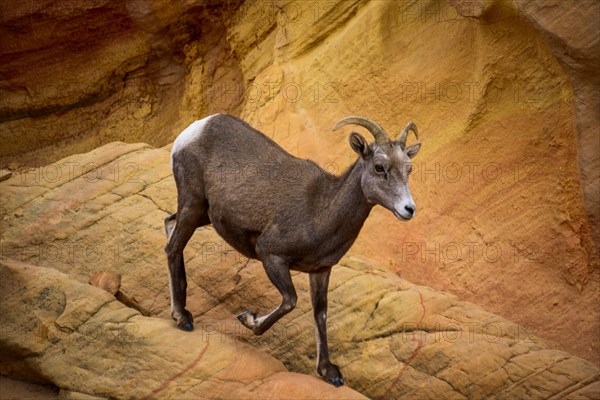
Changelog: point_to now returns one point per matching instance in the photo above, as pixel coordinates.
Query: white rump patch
(189, 135)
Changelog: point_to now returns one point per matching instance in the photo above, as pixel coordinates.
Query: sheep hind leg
(178, 235)
(171, 220)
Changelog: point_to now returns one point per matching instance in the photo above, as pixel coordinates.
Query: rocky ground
(390, 337)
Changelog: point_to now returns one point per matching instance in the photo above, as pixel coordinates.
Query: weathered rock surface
(573, 34)
(505, 95)
(79, 74)
(390, 337)
(11, 389)
(108, 281)
(82, 339)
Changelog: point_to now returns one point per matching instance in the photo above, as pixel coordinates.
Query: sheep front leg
(279, 274)
(319, 283)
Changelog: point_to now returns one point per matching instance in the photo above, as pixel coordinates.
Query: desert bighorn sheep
(306, 223)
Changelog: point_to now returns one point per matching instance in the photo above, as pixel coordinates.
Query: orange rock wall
(75, 75)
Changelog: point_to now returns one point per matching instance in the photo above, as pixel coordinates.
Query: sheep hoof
(332, 374)
(185, 322)
(248, 319)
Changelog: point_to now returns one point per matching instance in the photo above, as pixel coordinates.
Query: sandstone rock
(470, 8)
(11, 389)
(70, 395)
(91, 346)
(108, 281)
(391, 338)
(132, 302)
(5, 174)
(572, 34)
(129, 68)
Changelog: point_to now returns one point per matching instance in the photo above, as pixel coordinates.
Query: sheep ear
(359, 145)
(413, 149)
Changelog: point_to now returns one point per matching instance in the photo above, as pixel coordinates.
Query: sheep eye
(379, 168)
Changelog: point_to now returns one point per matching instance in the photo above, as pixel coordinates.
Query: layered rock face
(505, 98)
(79, 74)
(391, 338)
(83, 340)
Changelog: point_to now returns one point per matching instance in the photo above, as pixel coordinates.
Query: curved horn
(376, 130)
(410, 127)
